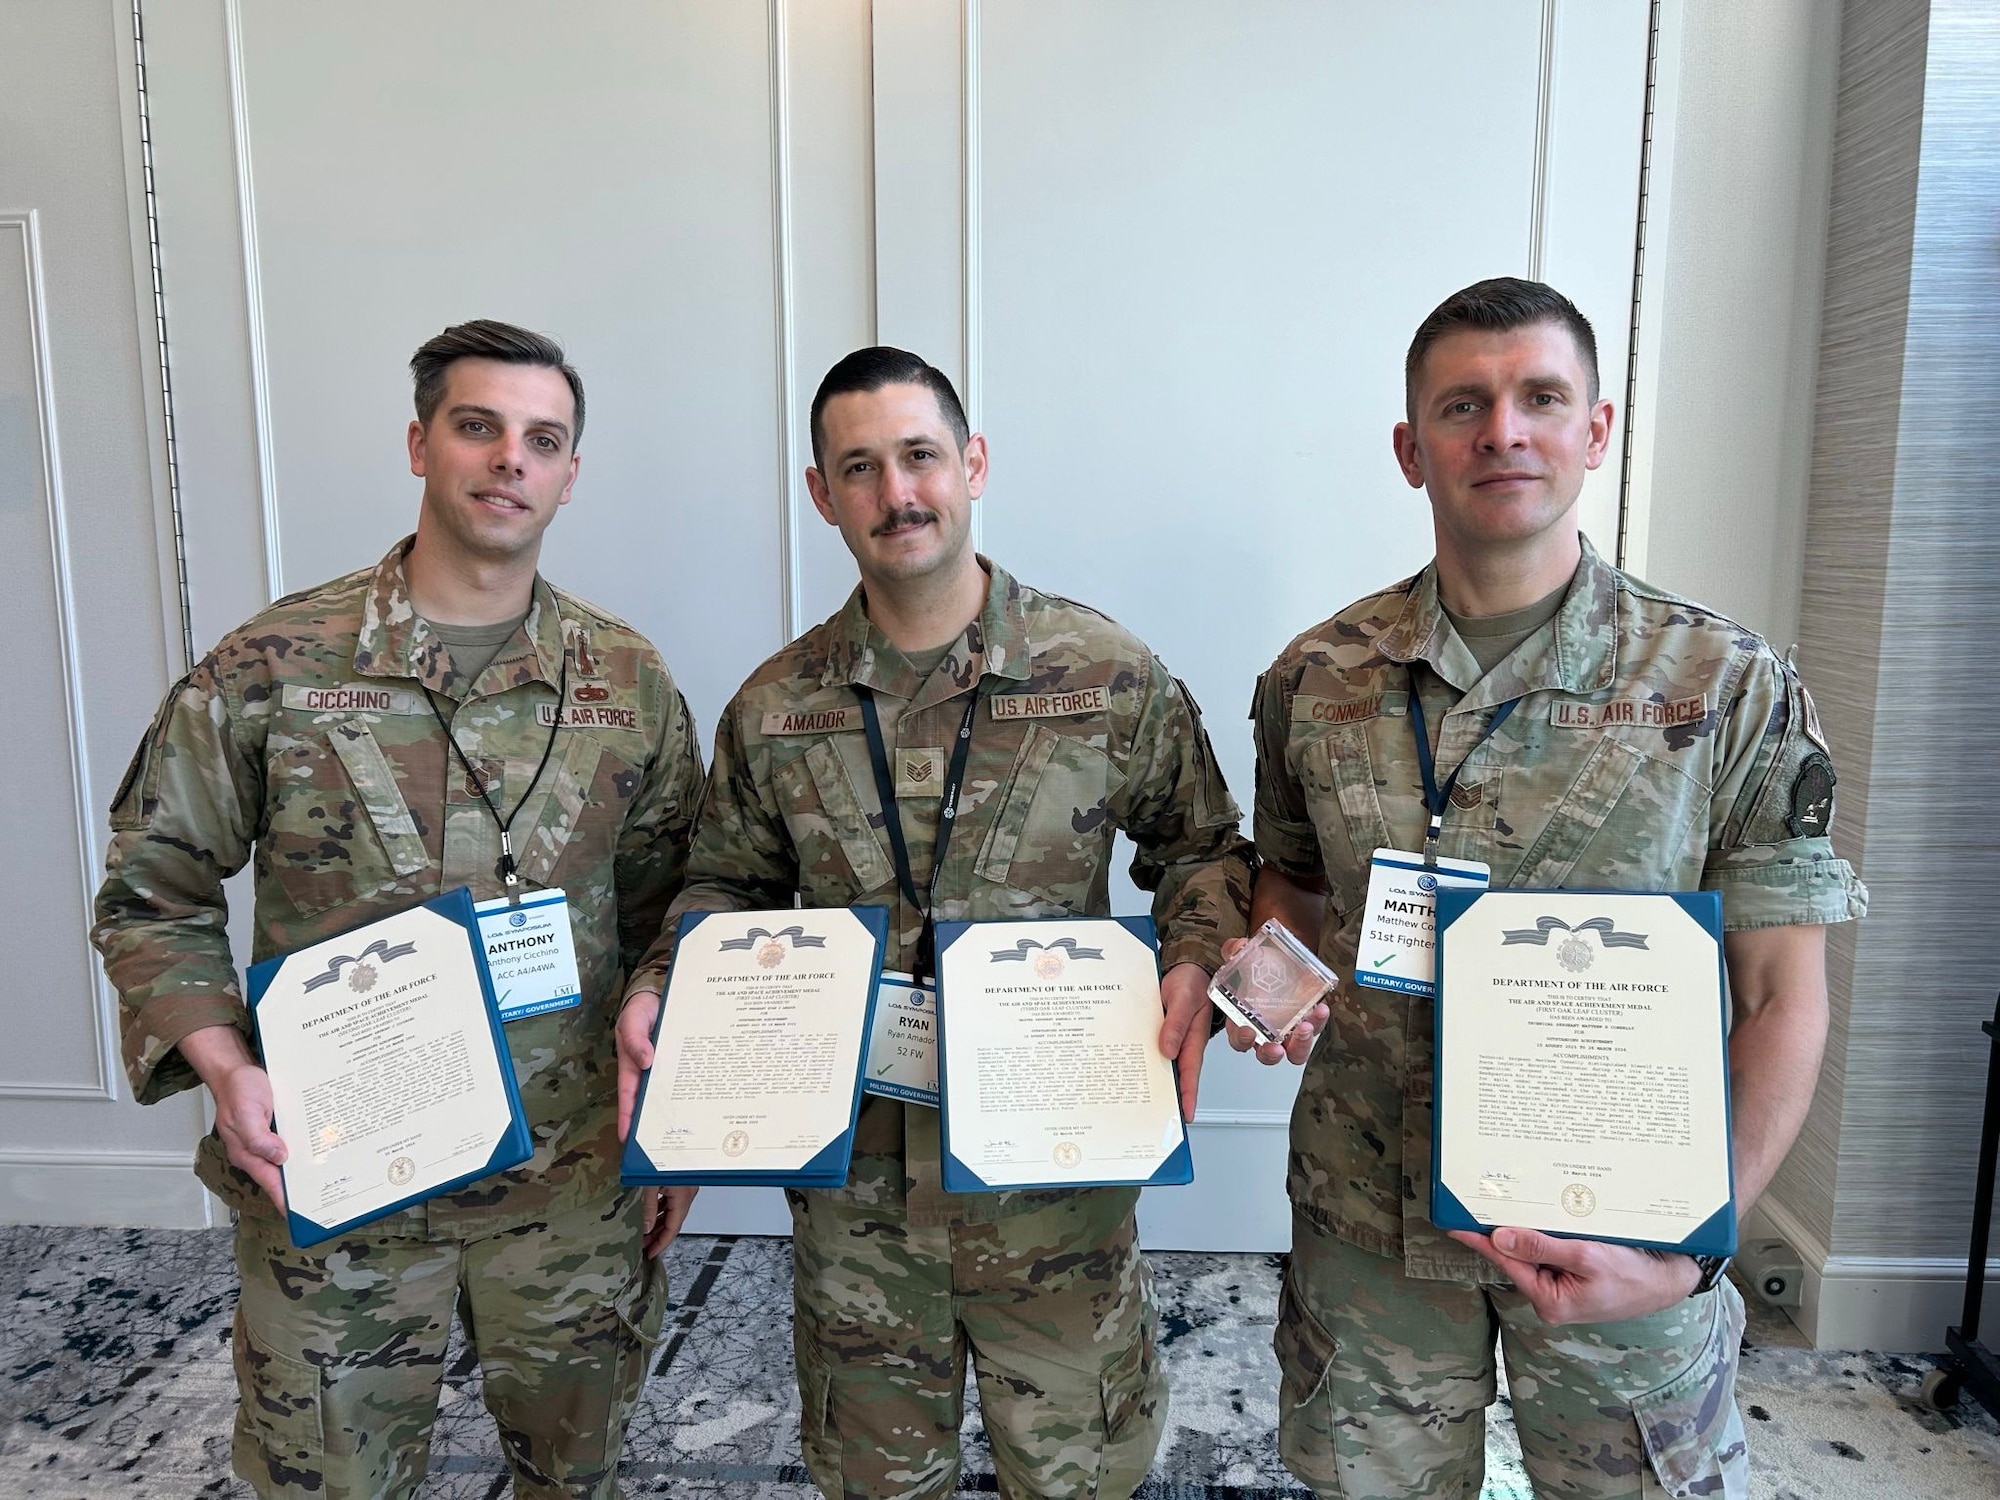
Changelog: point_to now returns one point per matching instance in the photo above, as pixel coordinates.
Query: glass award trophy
(1271, 983)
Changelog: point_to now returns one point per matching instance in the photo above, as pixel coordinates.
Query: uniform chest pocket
(1051, 833)
(840, 856)
(336, 825)
(564, 812)
(1622, 821)
(1338, 775)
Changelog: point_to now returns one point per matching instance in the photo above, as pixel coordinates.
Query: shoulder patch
(1307, 709)
(1084, 700)
(1810, 815)
(353, 698)
(811, 721)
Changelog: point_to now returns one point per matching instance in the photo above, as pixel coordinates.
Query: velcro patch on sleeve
(812, 721)
(1084, 700)
(353, 698)
(1645, 713)
(1307, 709)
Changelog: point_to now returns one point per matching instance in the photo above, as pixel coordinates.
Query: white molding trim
(103, 1189)
(253, 299)
(791, 604)
(1545, 113)
(971, 187)
(1243, 1119)
(1880, 1302)
(89, 858)
(15, 1156)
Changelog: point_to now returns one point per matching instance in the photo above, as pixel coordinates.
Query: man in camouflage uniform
(1076, 730)
(1654, 745)
(308, 741)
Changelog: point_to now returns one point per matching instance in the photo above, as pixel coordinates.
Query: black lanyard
(892, 820)
(507, 866)
(1435, 796)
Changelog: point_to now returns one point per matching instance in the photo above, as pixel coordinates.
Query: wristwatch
(1712, 1268)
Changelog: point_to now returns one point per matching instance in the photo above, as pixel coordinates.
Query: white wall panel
(81, 603)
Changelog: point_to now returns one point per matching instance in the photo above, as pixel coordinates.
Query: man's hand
(1585, 1281)
(1184, 1034)
(662, 1212)
(635, 1055)
(242, 1092)
(1298, 1041)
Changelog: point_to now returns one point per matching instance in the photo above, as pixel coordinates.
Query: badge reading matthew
(1052, 1074)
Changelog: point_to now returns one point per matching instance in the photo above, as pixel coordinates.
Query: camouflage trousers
(339, 1351)
(1385, 1381)
(1056, 1308)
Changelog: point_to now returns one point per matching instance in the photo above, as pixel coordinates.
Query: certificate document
(390, 1079)
(1582, 1078)
(756, 1074)
(1051, 1073)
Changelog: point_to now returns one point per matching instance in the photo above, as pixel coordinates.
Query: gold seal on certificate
(1582, 1073)
(390, 1081)
(1051, 1074)
(756, 1074)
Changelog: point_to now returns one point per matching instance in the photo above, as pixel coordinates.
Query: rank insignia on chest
(920, 772)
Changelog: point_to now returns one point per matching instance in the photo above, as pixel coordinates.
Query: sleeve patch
(1810, 814)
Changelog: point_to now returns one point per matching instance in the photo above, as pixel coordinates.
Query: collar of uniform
(994, 645)
(1577, 654)
(396, 641)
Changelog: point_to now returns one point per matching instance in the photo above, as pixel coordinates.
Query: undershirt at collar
(1492, 638)
(473, 647)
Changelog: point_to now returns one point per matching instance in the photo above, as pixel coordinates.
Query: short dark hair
(870, 370)
(485, 338)
(1499, 305)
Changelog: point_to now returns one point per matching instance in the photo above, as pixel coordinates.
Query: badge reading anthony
(530, 953)
(1398, 949)
(902, 1049)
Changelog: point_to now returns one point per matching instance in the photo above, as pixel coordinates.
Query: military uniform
(305, 741)
(1655, 746)
(1079, 732)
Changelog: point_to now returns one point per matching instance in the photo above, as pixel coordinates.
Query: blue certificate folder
(1714, 1236)
(827, 1169)
(514, 1145)
(1177, 1169)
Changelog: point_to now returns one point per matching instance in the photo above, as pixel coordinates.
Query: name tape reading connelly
(1309, 710)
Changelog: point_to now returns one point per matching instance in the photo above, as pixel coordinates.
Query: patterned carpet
(115, 1362)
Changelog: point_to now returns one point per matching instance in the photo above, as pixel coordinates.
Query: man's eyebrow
(467, 409)
(921, 440)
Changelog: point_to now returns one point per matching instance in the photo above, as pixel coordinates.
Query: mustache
(909, 515)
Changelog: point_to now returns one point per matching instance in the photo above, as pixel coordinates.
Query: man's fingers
(1542, 1249)
(1193, 1049)
(665, 1213)
(634, 1035)
(1233, 946)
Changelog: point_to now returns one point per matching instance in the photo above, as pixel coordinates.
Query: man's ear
(822, 496)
